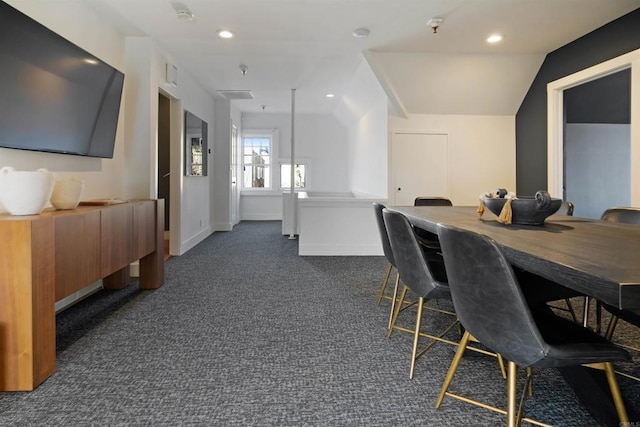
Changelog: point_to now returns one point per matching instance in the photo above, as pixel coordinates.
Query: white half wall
(341, 226)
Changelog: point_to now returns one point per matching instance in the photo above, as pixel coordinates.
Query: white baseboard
(339, 250)
(77, 296)
(193, 241)
(262, 217)
(223, 226)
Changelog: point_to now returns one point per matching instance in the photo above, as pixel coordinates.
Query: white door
(234, 176)
(419, 166)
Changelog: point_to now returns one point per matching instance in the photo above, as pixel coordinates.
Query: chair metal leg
(615, 393)
(567, 301)
(454, 367)
(612, 327)
(416, 337)
(511, 394)
(383, 288)
(398, 307)
(394, 301)
(585, 312)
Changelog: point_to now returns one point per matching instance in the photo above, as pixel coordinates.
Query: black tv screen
(54, 96)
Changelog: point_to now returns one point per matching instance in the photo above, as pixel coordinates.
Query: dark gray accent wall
(605, 100)
(613, 39)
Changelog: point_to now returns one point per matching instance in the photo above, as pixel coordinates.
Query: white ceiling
(308, 45)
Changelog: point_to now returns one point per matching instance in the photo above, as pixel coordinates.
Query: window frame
(272, 134)
(305, 162)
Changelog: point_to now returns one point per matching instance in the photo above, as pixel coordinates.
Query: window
(300, 176)
(256, 161)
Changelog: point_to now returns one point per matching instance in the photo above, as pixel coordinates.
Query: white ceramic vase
(66, 193)
(25, 192)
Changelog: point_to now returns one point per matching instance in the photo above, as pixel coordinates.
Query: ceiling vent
(236, 94)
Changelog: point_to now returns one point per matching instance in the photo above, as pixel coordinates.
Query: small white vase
(25, 192)
(66, 193)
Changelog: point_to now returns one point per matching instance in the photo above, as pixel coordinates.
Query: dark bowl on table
(526, 210)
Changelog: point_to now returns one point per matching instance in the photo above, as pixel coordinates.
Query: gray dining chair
(388, 253)
(492, 308)
(566, 208)
(426, 238)
(426, 279)
(626, 215)
(386, 249)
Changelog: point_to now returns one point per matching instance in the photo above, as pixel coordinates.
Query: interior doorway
(235, 193)
(164, 163)
(556, 121)
(597, 144)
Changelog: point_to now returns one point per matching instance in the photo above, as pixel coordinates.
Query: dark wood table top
(597, 258)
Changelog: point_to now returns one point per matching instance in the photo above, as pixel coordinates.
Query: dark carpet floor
(246, 333)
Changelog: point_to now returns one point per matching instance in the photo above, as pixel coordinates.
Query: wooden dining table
(597, 258)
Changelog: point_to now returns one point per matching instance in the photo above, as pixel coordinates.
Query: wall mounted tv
(54, 96)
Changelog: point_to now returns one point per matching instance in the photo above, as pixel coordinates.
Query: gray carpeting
(246, 333)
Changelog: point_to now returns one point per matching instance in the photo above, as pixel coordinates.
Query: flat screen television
(54, 96)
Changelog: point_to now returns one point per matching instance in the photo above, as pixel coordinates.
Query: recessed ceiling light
(330, 95)
(361, 32)
(494, 38)
(225, 34)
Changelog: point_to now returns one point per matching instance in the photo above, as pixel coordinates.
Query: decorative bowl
(66, 193)
(25, 192)
(526, 210)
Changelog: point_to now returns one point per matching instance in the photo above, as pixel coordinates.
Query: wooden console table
(47, 257)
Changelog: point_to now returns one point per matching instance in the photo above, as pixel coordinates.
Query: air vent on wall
(172, 74)
(236, 94)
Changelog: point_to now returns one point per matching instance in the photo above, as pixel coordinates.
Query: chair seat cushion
(570, 344)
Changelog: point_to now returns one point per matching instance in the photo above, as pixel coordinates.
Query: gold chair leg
(612, 326)
(454, 367)
(383, 288)
(416, 337)
(530, 381)
(567, 301)
(398, 307)
(393, 302)
(503, 371)
(615, 393)
(511, 394)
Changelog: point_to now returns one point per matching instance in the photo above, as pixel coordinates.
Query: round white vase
(25, 192)
(66, 193)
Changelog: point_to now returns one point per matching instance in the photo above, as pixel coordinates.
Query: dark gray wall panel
(605, 100)
(614, 39)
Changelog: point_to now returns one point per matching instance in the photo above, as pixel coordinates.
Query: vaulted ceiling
(308, 45)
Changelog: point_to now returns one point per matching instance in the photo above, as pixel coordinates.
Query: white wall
(133, 170)
(481, 151)
(321, 141)
(146, 71)
(364, 112)
(80, 24)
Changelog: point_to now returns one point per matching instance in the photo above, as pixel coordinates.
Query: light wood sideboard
(45, 258)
